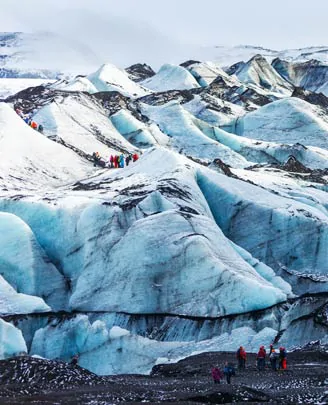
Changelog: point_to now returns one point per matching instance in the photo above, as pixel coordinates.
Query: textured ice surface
(259, 72)
(290, 120)
(11, 340)
(117, 351)
(24, 264)
(137, 133)
(187, 137)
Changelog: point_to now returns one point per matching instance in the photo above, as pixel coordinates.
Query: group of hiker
(273, 356)
(278, 361)
(114, 161)
(28, 120)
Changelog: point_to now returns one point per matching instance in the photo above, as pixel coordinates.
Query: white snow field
(216, 237)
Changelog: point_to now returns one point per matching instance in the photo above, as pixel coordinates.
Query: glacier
(216, 237)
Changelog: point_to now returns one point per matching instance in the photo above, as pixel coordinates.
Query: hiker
(216, 374)
(40, 128)
(261, 359)
(96, 158)
(271, 348)
(282, 359)
(127, 160)
(116, 161)
(34, 125)
(19, 112)
(241, 357)
(111, 161)
(273, 357)
(121, 160)
(75, 360)
(229, 371)
(135, 157)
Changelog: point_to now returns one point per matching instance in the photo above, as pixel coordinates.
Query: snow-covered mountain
(43, 55)
(49, 54)
(216, 237)
(229, 55)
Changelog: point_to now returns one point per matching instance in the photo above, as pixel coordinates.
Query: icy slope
(27, 157)
(271, 228)
(12, 303)
(25, 265)
(259, 72)
(312, 75)
(187, 138)
(110, 78)
(205, 73)
(266, 152)
(136, 132)
(11, 340)
(107, 78)
(171, 77)
(81, 123)
(171, 251)
(286, 121)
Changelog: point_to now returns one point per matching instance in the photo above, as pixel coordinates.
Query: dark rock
(313, 98)
(293, 165)
(189, 63)
(139, 72)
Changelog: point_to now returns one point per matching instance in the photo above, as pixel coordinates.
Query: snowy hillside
(213, 235)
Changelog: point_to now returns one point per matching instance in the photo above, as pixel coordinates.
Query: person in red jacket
(261, 359)
(216, 374)
(241, 357)
(135, 157)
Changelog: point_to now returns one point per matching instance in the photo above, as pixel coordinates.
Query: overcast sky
(163, 27)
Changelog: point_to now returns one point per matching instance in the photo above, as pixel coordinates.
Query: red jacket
(261, 354)
(241, 354)
(216, 374)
